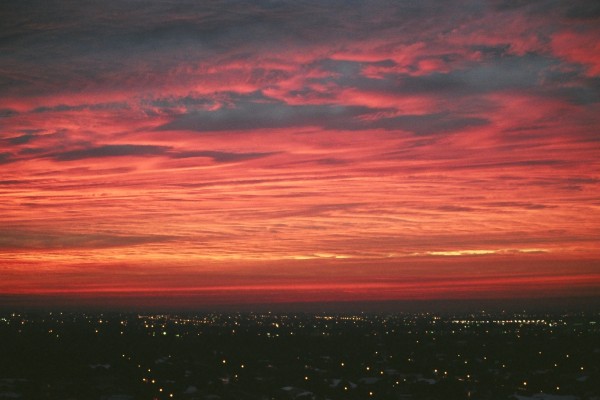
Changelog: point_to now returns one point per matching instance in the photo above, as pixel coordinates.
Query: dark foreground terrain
(299, 356)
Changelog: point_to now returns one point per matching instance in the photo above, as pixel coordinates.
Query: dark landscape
(122, 356)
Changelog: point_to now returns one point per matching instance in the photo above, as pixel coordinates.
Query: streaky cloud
(19, 239)
(111, 150)
(221, 156)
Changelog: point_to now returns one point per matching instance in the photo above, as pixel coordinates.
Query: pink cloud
(579, 47)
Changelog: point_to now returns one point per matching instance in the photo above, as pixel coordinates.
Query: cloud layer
(209, 141)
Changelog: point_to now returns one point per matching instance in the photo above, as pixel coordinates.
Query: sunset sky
(228, 152)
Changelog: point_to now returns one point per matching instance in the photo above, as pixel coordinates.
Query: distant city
(309, 356)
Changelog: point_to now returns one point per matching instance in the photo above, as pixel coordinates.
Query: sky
(228, 152)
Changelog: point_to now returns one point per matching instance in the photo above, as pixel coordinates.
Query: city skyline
(295, 152)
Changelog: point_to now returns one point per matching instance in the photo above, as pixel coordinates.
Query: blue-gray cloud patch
(111, 150)
(112, 106)
(222, 156)
(496, 71)
(47, 45)
(7, 112)
(261, 114)
(428, 124)
(121, 150)
(518, 204)
(5, 158)
(24, 239)
(583, 10)
(22, 139)
(257, 112)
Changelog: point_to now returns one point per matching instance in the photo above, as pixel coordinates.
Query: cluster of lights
(160, 323)
(502, 321)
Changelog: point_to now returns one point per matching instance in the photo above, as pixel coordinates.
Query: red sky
(299, 151)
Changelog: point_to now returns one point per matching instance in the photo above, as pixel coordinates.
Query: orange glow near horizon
(386, 152)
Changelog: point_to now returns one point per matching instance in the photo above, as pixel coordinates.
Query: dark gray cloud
(22, 139)
(583, 10)
(7, 112)
(80, 107)
(23, 239)
(222, 156)
(5, 158)
(257, 112)
(54, 46)
(518, 204)
(171, 104)
(260, 113)
(328, 161)
(508, 164)
(579, 91)
(150, 150)
(452, 208)
(47, 45)
(497, 72)
(111, 150)
(429, 123)
(571, 184)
